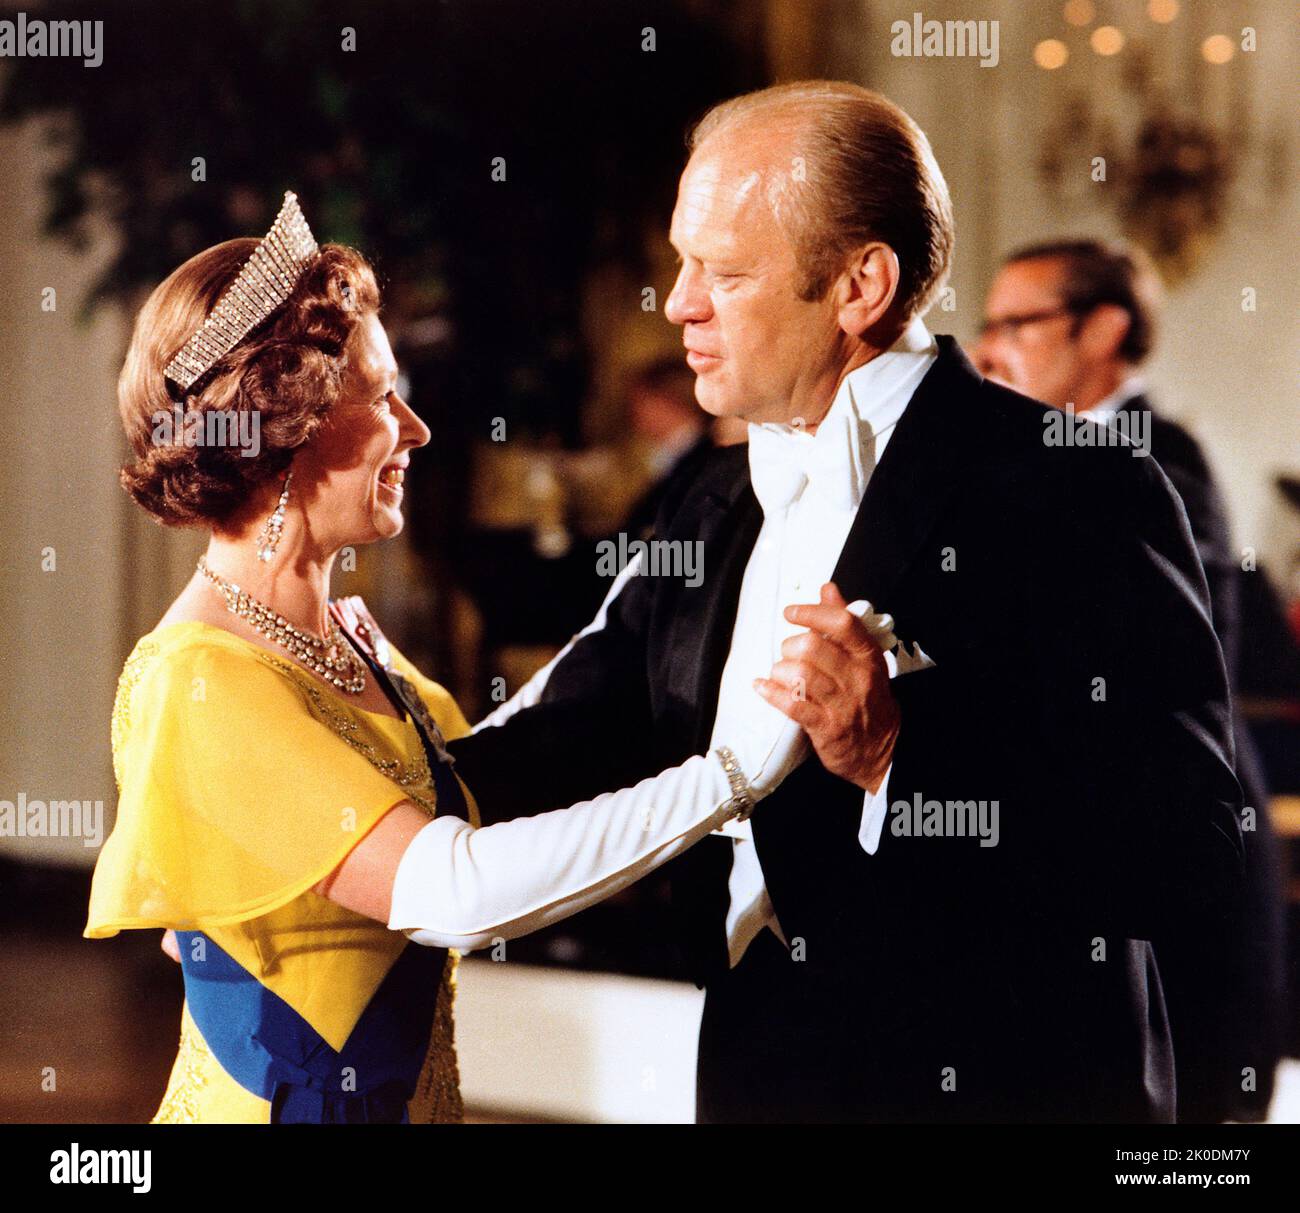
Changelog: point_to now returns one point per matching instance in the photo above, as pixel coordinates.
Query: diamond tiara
(265, 282)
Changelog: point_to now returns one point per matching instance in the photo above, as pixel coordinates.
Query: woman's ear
(867, 288)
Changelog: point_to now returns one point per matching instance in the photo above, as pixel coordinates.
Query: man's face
(1029, 341)
(758, 351)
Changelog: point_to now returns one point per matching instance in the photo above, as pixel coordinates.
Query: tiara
(265, 282)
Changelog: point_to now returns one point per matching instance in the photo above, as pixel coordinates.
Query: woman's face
(354, 468)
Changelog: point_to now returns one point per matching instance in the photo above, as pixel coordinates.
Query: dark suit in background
(640, 519)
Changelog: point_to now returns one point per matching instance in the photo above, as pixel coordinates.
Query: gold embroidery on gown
(185, 828)
(189, 1077)
(414, 778)
(437, 1099)
(144, 653)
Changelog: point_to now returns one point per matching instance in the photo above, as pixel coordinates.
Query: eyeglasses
(1011, 325)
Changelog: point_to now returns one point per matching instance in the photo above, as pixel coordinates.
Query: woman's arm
(447, 884)
(363, 882)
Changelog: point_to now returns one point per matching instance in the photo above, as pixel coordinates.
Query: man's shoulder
(1020, 432)
(995, 425)
(1032, 457)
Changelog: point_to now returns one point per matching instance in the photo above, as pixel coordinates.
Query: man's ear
(1102, 330)
(867, 288)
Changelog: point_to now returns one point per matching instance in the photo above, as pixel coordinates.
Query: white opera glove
(461, 887)
(769, 745)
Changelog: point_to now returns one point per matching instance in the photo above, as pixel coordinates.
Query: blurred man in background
(664, 415)
(1071, 323)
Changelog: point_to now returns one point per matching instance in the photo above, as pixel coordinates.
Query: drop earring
(268, 538)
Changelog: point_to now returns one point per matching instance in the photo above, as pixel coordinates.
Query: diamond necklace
(332, 658)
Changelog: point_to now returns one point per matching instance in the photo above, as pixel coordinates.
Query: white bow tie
(783, 461)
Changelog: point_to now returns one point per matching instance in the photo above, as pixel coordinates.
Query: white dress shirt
(809, 487)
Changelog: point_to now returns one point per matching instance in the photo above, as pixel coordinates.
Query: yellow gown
(243, 782)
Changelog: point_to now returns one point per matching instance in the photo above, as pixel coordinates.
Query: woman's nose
(414, 432)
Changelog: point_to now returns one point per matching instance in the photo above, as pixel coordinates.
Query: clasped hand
(832, 680)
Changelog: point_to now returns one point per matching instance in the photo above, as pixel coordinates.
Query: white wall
(60, 640)
(1230, 376)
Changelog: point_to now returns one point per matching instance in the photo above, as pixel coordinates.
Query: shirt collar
(1108, 406)
(840, 457)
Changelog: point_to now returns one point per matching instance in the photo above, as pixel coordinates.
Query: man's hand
(833, 680)
(170, 946)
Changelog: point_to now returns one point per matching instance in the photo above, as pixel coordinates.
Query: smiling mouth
(392, 477)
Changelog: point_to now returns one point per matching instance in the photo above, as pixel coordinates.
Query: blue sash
(270, 1050)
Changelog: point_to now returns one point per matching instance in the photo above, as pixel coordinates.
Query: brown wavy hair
(289, 371)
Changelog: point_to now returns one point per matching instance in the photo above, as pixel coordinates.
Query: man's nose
(982, 355)
(688, 300)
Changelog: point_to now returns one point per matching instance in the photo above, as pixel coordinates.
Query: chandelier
(1157, 116)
